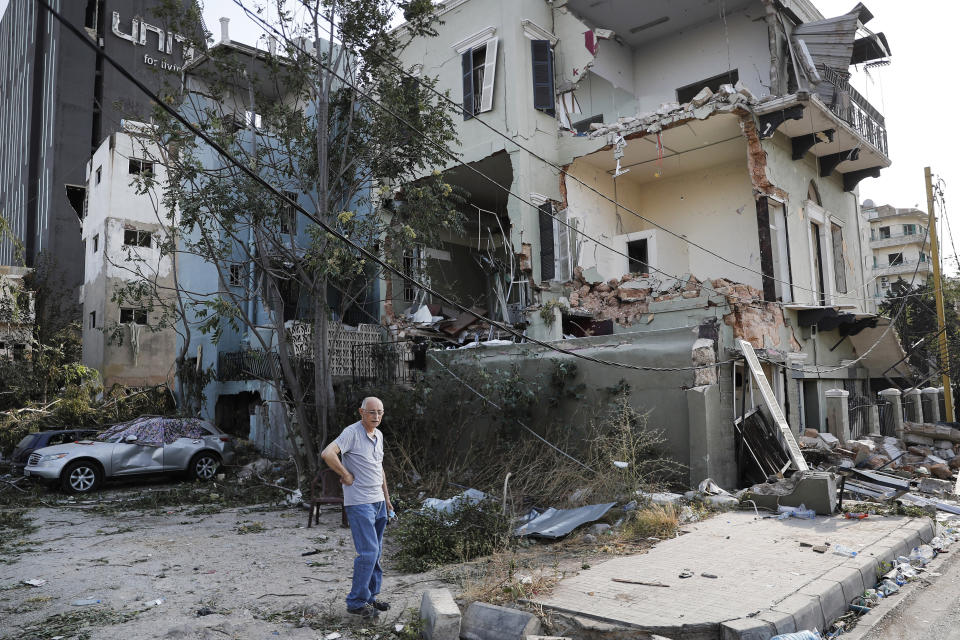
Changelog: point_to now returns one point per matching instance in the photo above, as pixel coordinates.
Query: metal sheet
(885, 354)
(772, 405)
(556, 523)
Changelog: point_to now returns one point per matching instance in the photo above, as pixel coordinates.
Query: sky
(915, 95)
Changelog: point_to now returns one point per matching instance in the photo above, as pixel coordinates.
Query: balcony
(850, 106)
(897, 239)
(252, 364)
(905, 269)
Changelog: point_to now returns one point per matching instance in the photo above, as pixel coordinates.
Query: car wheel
(81, 476)
(204, 466)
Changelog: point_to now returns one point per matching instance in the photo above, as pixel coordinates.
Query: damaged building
(651, 182)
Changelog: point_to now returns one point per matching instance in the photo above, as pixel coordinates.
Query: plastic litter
(921, 555)
(799, 635)
(86, 602)
(796, 512)
(856, 516)
(841, 550)
(157, 602)
(332, 636)
(35, 582)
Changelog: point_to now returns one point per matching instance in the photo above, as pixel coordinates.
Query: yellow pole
(938, 291)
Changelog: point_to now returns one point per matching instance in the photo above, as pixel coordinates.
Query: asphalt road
(932, 612)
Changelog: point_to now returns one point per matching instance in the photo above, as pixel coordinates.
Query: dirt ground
(197, 570)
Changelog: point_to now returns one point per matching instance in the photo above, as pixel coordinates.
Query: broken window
(19, 351)
(543, 93)
(639, 256)
(479, 67)
(93, 319)
(133, 316)
(99, 174)
(909, 229)
(884, 232)
(687, 93)
(288, 214)
(923, 257)
(413, 267)
(77, 197)
(894, 258)
(90, 15)
(137, 238)
(140, 167)
(236, 275)
(565, 246)
(780, 248)
(839, 266)
(96, 243)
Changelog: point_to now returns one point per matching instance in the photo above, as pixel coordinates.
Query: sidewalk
(766, 582)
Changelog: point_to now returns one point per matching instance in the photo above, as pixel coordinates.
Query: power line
(332, 231)
(266, 25)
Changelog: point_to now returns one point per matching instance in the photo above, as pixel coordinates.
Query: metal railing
(387, 362)
(851, 107)
(252, 364)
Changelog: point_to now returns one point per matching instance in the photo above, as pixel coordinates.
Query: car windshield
(154, 431)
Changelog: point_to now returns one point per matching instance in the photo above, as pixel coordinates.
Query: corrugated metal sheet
(830, 41)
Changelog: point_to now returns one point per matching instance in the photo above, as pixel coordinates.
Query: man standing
(366, 501)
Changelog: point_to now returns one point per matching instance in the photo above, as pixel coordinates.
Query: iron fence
(858, 408)
(887, 417)
(388, 362)
(252, 364)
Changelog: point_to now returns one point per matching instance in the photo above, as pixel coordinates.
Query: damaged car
(149, 445)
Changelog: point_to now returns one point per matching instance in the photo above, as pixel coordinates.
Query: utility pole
(938, 291)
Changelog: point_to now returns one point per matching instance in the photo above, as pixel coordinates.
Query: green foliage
(429, 538)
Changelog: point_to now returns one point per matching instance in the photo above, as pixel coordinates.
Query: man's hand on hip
(346, 479)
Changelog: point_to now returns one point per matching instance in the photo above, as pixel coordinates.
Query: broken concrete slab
(440, 615)
(829, 439)
(702, 97)
(489, 622)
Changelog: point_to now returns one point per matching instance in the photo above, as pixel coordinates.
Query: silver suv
(143, 446)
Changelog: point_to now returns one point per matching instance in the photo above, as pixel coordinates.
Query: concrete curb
(819, 602)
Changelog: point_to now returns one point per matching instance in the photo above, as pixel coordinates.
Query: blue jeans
(367, 522)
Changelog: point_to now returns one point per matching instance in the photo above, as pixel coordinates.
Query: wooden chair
(330, 492)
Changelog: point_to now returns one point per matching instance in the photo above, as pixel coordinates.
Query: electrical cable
(280, 196)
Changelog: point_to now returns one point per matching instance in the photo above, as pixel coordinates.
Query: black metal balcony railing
(387, 362)
(850, 106)
(248, 365)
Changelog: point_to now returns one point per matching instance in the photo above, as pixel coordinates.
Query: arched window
(814, 194)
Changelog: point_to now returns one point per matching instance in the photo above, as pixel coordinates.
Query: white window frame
(819, 216)
(823, 219)
(566, 246)
(485, 38)
(783, 280)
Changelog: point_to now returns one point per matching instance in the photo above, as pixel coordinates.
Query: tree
(304, 118)
(916, 325)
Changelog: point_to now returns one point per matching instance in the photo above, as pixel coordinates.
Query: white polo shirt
(363, 457)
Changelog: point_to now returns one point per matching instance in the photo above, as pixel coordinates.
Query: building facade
(128, 338)
(662, 168)
(899, 246)
(58, 101)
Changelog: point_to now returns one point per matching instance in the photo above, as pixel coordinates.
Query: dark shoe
(366, 611)
(379, 605)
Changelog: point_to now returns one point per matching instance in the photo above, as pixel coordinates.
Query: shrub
(659, 521)
(430, 538)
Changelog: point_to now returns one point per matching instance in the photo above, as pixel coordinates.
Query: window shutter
(547, 265)
(489, 73)
(466, 65)
(839, 264)
(543, 95)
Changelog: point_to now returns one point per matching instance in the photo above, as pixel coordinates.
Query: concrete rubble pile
(450, 327)
(925, 460)
(727, 99)
(635, 298)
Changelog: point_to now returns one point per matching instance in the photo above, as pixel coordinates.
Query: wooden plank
(772, 405)
(464, 321)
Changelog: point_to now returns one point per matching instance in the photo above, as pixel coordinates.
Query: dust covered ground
(168, 560)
